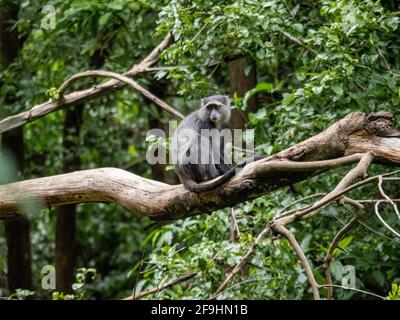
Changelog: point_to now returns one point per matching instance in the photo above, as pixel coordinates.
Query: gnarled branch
(345, 142)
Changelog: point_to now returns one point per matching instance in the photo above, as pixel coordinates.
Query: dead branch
(336, 146)
(359, 171)
(302, 257)
(276, 221)
(147, 197)
(335, 242)
(81, 96)
(245, 259)
(353, 289)
(117, 76)
(383, 193)
(299, 42)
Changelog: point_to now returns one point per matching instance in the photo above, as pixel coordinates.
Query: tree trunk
(66, 215)
(19, 272)
(158, 170)
(240, 83)
(65, 254)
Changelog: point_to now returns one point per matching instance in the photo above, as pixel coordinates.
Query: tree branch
(359, 171)
(132, 83)
(245, 259)
(335, 242)
(332, 148)
(81, 96)
(353, 289)
(302, 257)
(160, 288)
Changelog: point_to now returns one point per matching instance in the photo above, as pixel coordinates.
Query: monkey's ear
(202, 102)
(228, 100)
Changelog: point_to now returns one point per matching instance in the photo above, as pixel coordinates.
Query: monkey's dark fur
(213, 114)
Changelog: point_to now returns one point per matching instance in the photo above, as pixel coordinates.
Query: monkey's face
(215, 115)
(215, 109)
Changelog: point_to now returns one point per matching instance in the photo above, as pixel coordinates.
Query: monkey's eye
(210, 107)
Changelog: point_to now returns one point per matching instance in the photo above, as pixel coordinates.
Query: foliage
(394, 294)
(21, 294)
(346, 58)
(83, 275)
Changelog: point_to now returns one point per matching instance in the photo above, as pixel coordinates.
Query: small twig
(122, 78)
(242, 263)
(385, 62)
(170, 254)
(335, 242)
(200, 31)
(242, 282)
(171, 68)
(376, 232)
(299, 42)
(383, 221)
(159, 288)
(302, 257)
(367, 226)
(375, 200)
(383, 193)
(153, 56)
(282, 211)
(350, 288)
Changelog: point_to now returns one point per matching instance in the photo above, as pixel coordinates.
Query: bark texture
(342, 143)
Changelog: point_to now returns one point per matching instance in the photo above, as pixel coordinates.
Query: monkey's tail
(193, 186)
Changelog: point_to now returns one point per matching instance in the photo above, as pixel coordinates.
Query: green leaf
(345, 242)
(202, 264)
(379, 277)
(263, 86)
(317, 90)
(305, 243)
(104, 19)
(338, 89)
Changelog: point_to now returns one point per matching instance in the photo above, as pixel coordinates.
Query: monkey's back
(187, 139)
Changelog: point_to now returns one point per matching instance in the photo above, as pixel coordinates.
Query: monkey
(190, 147)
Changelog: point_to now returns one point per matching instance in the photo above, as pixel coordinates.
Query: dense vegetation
(305, 65)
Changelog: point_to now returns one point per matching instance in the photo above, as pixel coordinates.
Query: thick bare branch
(165, 202)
